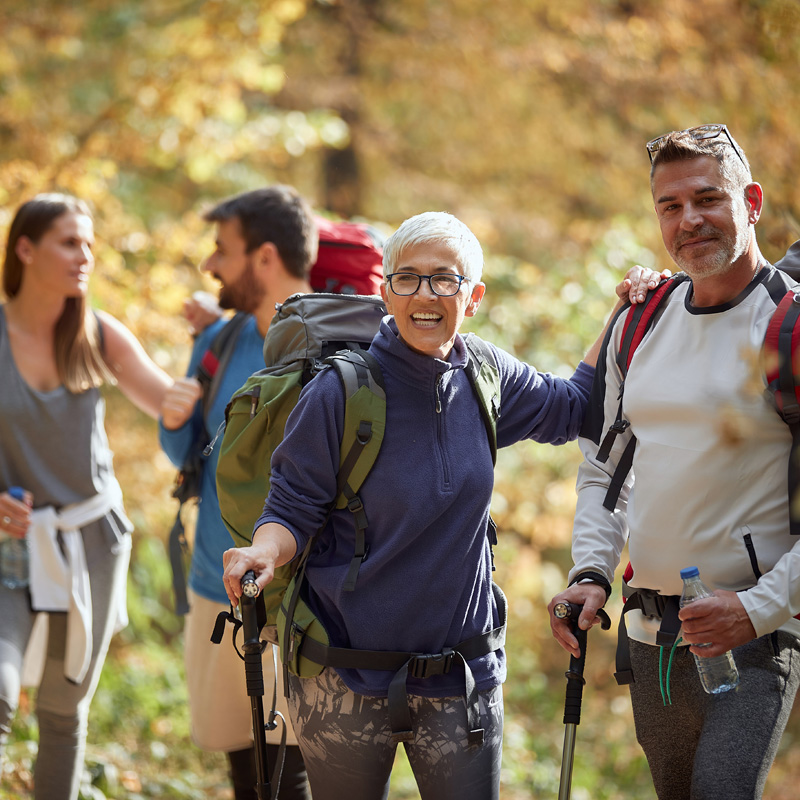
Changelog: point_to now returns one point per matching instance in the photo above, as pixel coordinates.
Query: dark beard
(245, 294)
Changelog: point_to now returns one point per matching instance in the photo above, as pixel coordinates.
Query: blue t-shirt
(212, 538)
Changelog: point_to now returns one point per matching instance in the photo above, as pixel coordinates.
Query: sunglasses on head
(699, 134)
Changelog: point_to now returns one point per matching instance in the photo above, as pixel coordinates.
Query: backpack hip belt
(418, 665)
(654, 606)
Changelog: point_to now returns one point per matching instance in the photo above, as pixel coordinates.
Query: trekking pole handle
(252, 646)
(249, 585)
(572, 612)
(574, 675)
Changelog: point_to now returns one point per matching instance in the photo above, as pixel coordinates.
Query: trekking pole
(575, 682)
(253, 647)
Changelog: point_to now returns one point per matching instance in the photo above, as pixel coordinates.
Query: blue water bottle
(14, 559)
(717, 673)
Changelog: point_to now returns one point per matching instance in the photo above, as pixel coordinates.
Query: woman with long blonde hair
(55, 353)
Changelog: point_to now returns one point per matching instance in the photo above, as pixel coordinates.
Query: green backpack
(304, 332)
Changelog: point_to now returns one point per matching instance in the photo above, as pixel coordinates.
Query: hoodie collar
(413, 368)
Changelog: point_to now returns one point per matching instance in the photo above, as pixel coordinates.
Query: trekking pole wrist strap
(593, 577)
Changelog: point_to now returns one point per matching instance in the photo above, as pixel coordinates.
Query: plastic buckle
(652, 603)
(791, 413)
(355, 505)
(433, 664)
(620, 426)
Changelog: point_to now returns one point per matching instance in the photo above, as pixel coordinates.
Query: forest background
(525, 118)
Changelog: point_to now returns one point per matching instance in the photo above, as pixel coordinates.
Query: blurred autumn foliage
(525, 118)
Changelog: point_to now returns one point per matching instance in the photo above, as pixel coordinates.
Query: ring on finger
(6, 520)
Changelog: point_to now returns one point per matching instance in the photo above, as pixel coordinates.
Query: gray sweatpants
(62, 707)
(345, 739)
(706, 747)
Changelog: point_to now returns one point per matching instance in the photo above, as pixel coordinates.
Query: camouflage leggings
(347, 745)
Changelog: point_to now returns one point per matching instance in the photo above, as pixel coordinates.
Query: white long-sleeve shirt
(709, 483)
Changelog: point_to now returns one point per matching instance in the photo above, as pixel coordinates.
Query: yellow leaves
(285, 11)
(69, 47)
(147, 96)
(8, 61)
(268, 78)
(186, 106)
(334, 132)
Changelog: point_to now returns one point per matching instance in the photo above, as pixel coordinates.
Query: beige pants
(220, 709)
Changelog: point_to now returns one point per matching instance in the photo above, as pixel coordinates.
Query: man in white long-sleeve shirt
(711, 488)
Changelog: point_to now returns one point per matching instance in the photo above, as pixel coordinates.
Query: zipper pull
(296, 629)
(208, 449)
(254, 401)
(438, 400)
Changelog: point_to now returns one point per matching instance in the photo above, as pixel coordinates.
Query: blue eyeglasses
(699, 134)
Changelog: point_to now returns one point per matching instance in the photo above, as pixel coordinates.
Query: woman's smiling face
(428, 323)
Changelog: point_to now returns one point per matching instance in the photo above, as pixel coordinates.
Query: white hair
(436, 227)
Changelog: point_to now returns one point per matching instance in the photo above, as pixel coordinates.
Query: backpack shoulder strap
(485, 379)
(638, 321)
(642, 317)
(364, 418)
(780, 346)
(779, 357)
(214, 361)
(484, 376)
(364, 427)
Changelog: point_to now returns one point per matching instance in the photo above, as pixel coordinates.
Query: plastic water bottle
(718, 673)
(14, 567)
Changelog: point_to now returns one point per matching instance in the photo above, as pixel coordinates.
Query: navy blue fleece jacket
(426, 583)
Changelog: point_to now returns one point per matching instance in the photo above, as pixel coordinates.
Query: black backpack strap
(356, 368)
(178, 555)
(215, 360)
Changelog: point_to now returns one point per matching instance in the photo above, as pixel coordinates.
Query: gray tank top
(52, 443)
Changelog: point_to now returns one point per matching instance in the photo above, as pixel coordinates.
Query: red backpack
(350, 258)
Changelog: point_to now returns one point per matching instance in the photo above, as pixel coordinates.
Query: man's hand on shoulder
(638, 281)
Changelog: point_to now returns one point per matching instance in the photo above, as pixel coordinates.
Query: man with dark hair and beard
(266, 243)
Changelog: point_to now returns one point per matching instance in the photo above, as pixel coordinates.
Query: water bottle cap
(17, 492)
(689, 572)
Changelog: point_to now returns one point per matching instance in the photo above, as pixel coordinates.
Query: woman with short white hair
(425, 586)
